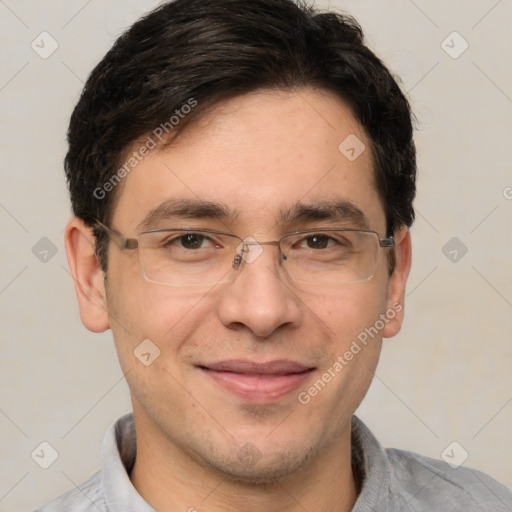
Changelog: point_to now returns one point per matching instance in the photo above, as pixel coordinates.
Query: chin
(251, 467)
(260, 474)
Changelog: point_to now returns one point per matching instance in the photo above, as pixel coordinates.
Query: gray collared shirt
(393, 480)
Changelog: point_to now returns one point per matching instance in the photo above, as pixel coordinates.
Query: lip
(258, 382)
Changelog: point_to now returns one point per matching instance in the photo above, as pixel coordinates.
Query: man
(242, 175)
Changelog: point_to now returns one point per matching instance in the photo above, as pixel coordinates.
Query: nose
(260, 298)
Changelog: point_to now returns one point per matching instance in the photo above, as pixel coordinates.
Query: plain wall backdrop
(446, 377)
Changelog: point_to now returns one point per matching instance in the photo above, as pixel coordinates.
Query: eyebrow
(187, 209)
(336, 211)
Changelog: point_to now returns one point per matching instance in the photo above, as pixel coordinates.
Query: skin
(258, 153)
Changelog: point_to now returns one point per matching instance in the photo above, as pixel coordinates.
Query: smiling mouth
(258, 382)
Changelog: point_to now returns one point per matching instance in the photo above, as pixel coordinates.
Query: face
(206, 396)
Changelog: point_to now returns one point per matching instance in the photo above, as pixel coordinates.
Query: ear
(87, 274)
(397, 282)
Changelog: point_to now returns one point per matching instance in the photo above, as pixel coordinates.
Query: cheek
(140, 310)
(353, 316)
(348, 311)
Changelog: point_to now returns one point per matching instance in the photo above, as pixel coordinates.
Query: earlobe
(397, 283)
(87, 275)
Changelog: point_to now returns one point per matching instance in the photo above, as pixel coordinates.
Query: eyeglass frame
(125, 243)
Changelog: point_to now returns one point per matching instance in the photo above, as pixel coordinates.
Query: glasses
(205, 257)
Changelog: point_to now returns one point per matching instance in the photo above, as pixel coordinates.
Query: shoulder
(86, 498)
(434, 482)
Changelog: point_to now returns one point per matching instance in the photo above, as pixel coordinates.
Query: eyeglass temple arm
(387, 242)
(121, 241)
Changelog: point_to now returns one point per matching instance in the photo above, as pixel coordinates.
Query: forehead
(258, 156)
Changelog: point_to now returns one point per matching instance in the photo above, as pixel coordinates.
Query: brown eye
(188, 241)
(191, 241)
(317, 241)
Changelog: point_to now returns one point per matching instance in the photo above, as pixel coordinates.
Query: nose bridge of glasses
(245, 254)
(255, 242)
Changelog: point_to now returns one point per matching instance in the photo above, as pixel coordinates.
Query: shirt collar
(118, 456)
(120, 448)
(373, 464)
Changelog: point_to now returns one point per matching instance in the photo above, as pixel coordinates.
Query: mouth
(258, 382)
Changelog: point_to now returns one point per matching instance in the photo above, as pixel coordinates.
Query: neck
(168, 478)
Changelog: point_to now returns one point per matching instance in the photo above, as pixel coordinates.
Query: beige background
(447, 376)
